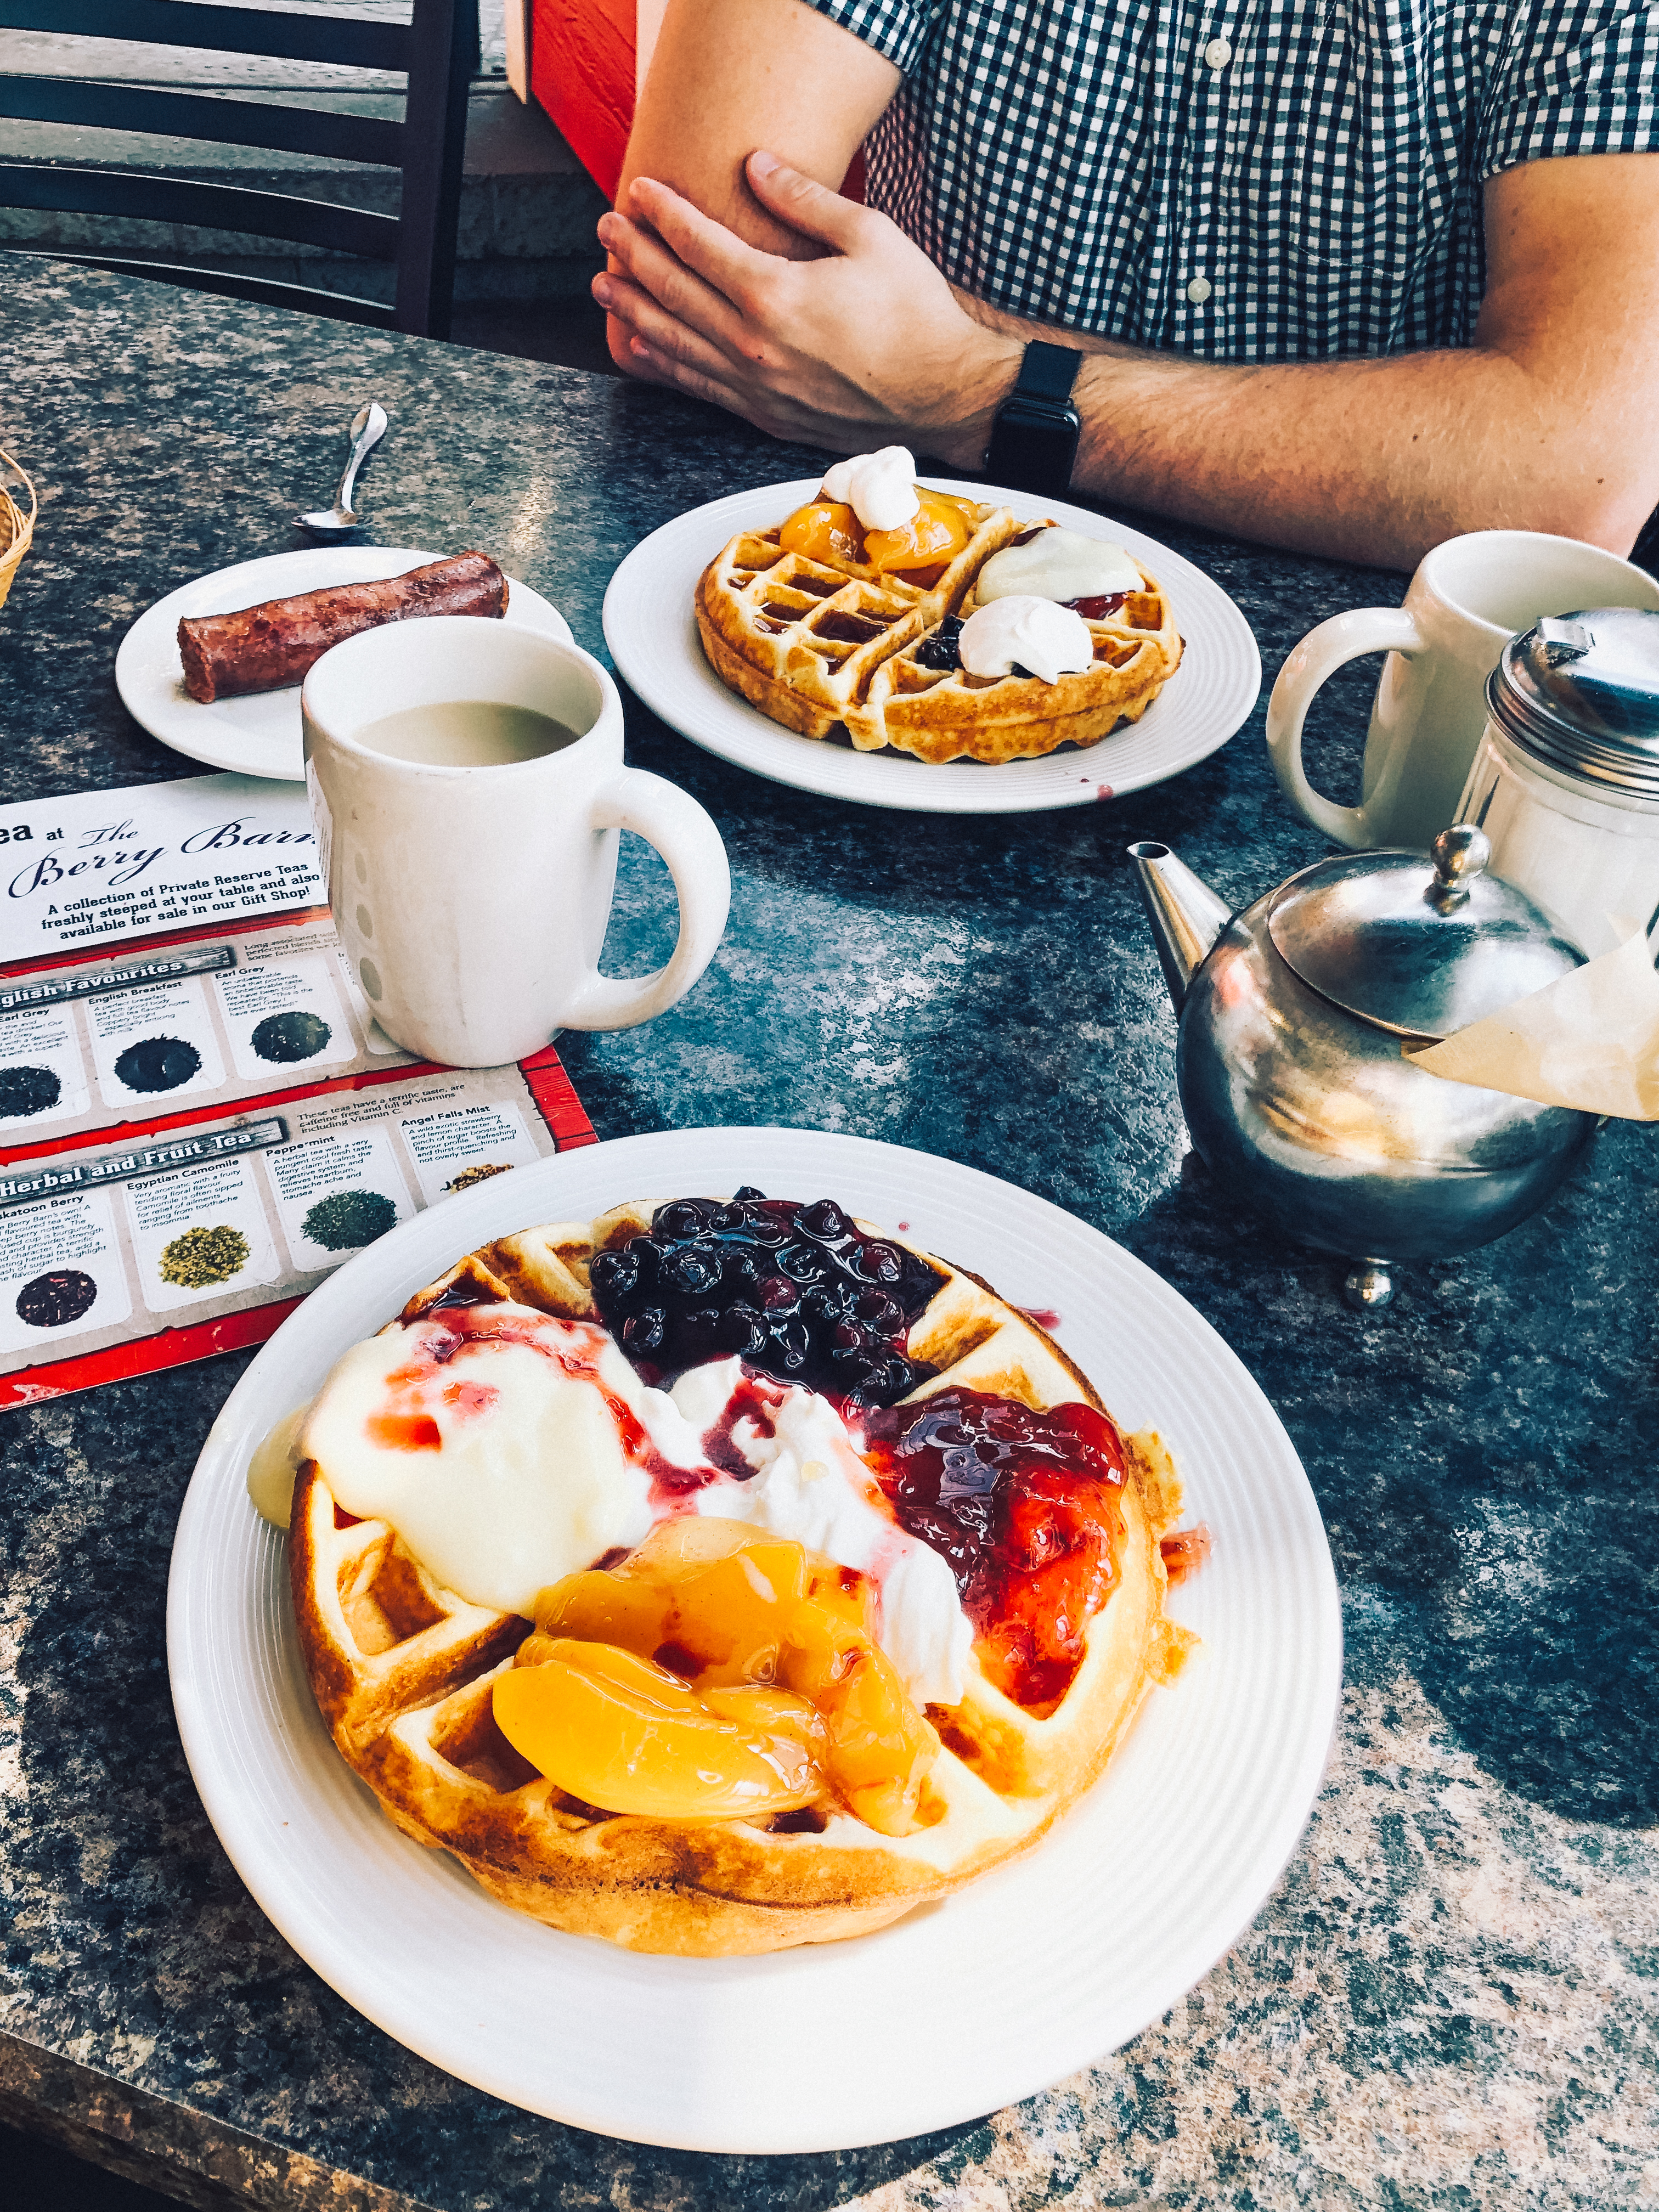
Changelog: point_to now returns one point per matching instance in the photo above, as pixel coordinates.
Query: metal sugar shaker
(1565, 780)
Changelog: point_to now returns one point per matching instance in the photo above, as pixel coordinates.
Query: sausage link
(266, 647)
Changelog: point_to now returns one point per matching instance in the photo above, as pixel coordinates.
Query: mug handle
(686, 836)
(1320, 654)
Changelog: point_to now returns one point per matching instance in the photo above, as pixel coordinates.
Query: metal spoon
(367, 428)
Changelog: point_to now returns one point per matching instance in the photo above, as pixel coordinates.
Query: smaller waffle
(802, 640)
(946, 714)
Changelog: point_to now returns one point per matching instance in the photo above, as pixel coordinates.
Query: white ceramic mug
(1468, 598)
(472, 901)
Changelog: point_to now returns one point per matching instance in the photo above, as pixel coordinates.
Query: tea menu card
(195, 1129)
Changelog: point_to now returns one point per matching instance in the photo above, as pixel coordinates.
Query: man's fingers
(680, 291)
(662, 369)
(658, 330)
(805, 205)
(738, 272)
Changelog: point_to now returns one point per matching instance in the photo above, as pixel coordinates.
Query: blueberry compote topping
(940, 648)
(794, 1290)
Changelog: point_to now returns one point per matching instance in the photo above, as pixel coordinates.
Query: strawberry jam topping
(1097, 609)
(1026, 1508)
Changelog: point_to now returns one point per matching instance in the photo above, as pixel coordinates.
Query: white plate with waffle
(259, 734)
(651, 629)
(961, 2008)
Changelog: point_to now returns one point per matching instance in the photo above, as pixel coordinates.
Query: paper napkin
(1589, 1040)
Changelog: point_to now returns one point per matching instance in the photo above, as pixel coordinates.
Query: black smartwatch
(1034, 438)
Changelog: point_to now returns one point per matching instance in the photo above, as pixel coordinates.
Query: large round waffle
(402, 1670)
(802, 640)
(824, 650)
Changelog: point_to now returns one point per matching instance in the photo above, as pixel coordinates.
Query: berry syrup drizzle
(755, 1400)
(795, 1291)
(1026, 1508)
(468, 1332)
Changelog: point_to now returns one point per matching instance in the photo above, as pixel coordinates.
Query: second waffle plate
(652, 632)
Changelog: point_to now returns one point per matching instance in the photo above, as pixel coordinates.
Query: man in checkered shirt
(1348, 275)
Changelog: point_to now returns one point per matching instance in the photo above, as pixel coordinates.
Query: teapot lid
(1581, 692)
(1420, 946)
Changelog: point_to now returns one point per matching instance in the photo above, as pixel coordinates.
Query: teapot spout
(1186, 915)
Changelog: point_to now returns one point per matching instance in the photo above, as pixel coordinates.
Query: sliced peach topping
(619, 1731)
(719, 1673)
(920, 549)
(824, 530)
(932, 537)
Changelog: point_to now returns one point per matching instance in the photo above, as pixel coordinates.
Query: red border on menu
(544, 1076)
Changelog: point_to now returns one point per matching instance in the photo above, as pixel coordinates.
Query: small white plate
(259, 735)
(960, 2008)
(652, 631)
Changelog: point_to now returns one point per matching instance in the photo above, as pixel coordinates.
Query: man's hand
(1549, 421)
(861, 347)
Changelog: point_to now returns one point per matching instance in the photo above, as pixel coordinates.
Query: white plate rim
(687, 695)
(154, 702)
(671, 1160)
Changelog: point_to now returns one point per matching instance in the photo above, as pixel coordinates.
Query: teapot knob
(1460, 851)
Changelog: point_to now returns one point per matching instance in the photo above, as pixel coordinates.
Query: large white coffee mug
(1468, 598)
(472, 901)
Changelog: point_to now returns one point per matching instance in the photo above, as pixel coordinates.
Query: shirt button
(1199, 290)
(1218, 53)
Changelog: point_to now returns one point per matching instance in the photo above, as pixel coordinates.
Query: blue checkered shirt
(1243, 179)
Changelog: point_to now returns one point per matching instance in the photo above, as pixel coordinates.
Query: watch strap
(1033, 437)
(1047, 371)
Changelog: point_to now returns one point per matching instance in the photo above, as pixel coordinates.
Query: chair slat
(348, 41)
(443, 38)
(188, 115)
(264, 291)
(436, 51)
(209, 207)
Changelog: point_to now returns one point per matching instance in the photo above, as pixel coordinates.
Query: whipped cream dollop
(1058, 564)
(809, 1483)
(509, 1449)
(1049, 641)
(506, 1447)
(879, 488)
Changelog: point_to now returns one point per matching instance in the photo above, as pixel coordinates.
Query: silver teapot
(1292, 1080)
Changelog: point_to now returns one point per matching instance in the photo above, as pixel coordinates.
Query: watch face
(1033, 446)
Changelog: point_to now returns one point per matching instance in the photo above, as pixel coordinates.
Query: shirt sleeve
(898, 28)
(1577, 77)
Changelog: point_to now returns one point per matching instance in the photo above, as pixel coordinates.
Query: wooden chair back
(436, 53)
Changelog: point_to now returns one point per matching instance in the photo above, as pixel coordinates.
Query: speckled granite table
(1453, 1997)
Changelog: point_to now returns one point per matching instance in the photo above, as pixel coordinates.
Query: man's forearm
(1364, 460)
(1548, 421)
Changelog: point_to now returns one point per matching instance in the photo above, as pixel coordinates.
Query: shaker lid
(1418, 945)
(1581, 692)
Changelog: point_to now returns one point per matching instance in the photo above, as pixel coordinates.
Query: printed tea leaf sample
(204, 1255)
(62, 1294)
(346, 1219)
(28, 1090)
(290, 1037)
(157, 1063)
